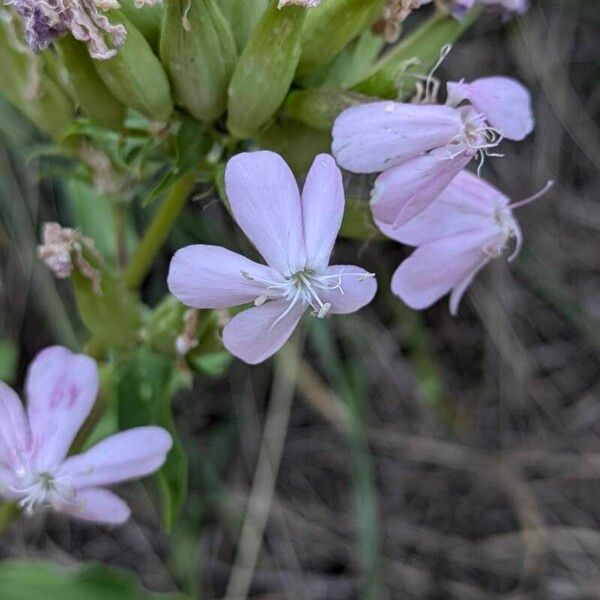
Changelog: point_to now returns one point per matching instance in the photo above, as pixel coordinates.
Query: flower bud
(105, 306)
(93, 96)
(198, 51)
(320, 107)
(265, 70)
(243, 15)
(136, 78)
(146, 18)
(332, 26)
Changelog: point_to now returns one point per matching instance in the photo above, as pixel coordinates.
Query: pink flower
(419, 149)
(469, 224)
(295, 235)
(61, 389)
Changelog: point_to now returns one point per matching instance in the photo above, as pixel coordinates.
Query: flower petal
(265, 201)
(373, 137)
(61, 390)
(505, 103)
(322, 209)
(467, 203)
(434, 269)
(403, 192)
(256, 334)
(211, 277)
(98, 506)
(126, 455)
(14, 428)
(358, 287)
(458, 291)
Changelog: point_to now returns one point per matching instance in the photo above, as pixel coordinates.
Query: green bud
(136, 78)
(265, 70)
(198, 51)
(243, 15)
(25, 84)
(350, 66)
(320, 107)
(393, 75)
(297, 143)
(331, 27)
(105, 305)
(93, 96)
(147, 19)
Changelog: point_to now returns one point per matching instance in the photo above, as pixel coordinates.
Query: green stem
(159, 229)
(7, 511)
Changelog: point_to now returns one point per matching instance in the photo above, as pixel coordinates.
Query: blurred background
(426, 456)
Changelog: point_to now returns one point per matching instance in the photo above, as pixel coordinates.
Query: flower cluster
(422, 196)
(35, 471)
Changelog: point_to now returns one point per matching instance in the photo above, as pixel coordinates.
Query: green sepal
(297, 143)
(394, 74)
(135, 76)
(265, 70)
(243, 15)
(91, 92)
(331, 27)
(199, 56)
(147, 19)
(106, 307)
(319, 108)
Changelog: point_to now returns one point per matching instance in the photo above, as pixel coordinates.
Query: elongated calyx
(50, 20)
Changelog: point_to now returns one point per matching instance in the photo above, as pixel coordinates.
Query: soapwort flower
(456, 236)
(61, 388)
(295, 235)
(420, 148)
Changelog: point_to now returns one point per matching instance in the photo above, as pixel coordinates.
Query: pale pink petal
(322, 209)
(434, 269)
(8, 483)
(461, 287)
(61, 390)
(404, 191)
(96, 505)
(358, 289)
(257, 333)
(467, 203)
(126, 455)
(505, 103)
(14, 430)
(371, 138)
(265, 202)
(213, 277)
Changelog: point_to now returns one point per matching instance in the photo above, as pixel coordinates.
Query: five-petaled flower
(468, 225)
(420, 148)
(295, 235)
(35, 471)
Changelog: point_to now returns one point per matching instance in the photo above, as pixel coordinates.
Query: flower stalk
(159, 229)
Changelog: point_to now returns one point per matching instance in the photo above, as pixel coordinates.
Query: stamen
(549, 185)
(324, 310)
(260, 300)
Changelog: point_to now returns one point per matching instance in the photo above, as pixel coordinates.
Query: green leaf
(21, 580)
(145, 384)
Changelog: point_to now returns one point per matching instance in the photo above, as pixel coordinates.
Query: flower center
(42, 489)
(306, 286)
